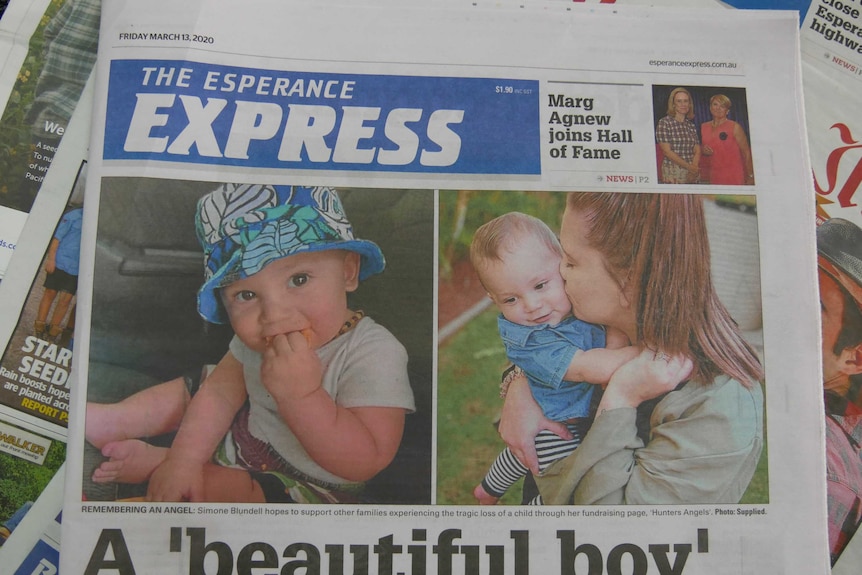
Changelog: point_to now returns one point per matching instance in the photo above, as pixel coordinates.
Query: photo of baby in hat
(310, 400)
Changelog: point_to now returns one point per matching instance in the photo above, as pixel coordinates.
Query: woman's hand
(522, 419)
(707, 150)
(647, 376)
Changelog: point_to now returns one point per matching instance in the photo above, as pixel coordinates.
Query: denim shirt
(544, 352)
(69, 234)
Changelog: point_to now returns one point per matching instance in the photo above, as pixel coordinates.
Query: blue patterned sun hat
(244, 227)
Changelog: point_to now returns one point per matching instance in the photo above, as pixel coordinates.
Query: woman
(676, 135)
(725, 142)
(640, 262)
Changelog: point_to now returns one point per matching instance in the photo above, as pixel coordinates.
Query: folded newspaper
(831, 43)
(48, 50)
(277, 208)
(38, 91)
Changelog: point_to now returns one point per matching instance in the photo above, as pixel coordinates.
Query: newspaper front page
(207, 447)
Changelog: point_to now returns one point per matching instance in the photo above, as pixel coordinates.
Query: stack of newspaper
(411, 112)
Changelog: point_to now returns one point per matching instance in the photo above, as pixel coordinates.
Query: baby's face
(303, 292)
(526, 284)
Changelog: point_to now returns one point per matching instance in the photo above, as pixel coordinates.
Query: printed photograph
(839, 250)
(28, 461)
(259, 343)
(702, 136)
(37, 361)
(599, 348)
(60, 57)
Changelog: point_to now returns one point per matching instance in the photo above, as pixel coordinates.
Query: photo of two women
(702, 136)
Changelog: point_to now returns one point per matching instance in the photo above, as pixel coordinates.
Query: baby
(309, 401)
(518, 260)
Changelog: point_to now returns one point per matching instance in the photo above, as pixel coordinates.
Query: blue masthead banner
(190, 112)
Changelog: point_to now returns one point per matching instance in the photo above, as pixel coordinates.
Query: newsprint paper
(831, 45)
(229, 150)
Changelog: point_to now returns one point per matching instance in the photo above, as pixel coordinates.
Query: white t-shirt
(365, 367)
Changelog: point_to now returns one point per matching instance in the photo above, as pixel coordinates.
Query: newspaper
(26, 403)
(832, 77)
(831, 70)
(36, 385)
(413, 112)
(34, 442)
(799, 5)
(48, 49)
(34, 546)
(35, 368)
(832, 73)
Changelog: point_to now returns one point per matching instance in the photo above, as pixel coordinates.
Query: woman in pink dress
(726, 145)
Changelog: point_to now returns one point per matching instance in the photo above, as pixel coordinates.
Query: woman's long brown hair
(656, 247)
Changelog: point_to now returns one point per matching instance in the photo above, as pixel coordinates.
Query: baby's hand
(291, 369)
(619, 357)
(176, 480)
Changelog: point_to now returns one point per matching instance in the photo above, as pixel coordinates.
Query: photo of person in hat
(839, 259)
(308, 403)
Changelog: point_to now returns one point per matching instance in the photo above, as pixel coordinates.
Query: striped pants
(506, 469)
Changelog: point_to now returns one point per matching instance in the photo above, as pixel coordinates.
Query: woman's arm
(705, 149)
(522, 419)
(745, 150)
(51, 258)
(663, 136)
(704, 444)
(695, 162)
(674, 157)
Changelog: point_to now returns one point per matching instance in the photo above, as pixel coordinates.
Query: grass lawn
(468, 403)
